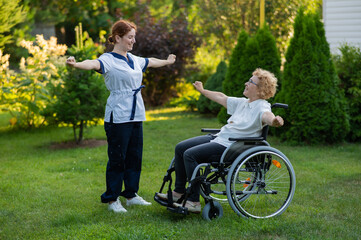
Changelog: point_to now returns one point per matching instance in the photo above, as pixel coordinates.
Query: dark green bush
(81, 99)
(348, 67)
(317, 107)
(213, 83)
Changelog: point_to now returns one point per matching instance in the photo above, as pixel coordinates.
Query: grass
(55, 194)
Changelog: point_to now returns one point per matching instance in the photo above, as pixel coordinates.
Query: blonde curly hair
(267, 83)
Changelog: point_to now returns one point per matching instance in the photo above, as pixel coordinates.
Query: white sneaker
(137, 200)
(117, 207)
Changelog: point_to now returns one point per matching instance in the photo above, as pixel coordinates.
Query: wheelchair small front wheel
(210, 212)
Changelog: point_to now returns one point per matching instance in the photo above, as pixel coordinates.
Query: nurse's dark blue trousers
(125, 149)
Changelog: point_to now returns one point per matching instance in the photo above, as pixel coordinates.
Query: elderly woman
(248, 117)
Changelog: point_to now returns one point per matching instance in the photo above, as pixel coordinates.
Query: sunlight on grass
(165, 114)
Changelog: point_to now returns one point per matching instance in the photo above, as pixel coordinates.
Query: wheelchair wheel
(261, 183)
(217, 188)
(210, 212)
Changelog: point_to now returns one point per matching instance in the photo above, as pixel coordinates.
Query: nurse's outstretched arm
(155, 62)
(84, 65)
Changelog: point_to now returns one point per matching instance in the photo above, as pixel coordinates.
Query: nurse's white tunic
(123, 79)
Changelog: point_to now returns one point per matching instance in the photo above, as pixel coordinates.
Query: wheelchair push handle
(279, 105)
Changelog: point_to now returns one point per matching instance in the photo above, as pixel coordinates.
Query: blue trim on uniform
(130, 62)
(135, 101)
(101, 70)
(146, 64)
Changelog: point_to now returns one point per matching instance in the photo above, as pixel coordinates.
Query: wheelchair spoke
(266, 183)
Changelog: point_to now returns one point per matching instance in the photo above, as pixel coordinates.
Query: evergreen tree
(80, 100)
(250, 53)
(213, 83)
(348, 66)
(317, 109)
(233, 80)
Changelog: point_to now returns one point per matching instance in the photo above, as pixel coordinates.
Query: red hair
(121, 28)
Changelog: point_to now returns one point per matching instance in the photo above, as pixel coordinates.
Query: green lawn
(55, 194)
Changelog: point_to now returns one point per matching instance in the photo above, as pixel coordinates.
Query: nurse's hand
(171, 58)
(71, 61)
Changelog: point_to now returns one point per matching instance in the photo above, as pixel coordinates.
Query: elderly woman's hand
(277, 121)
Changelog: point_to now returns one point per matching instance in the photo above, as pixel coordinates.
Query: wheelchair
(257, 180)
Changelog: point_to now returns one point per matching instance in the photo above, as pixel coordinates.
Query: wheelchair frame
(258, 182)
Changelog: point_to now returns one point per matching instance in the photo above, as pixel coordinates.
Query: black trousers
(125, 149)
(190, 153)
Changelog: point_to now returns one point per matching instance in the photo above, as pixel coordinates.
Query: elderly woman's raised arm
(217, 97)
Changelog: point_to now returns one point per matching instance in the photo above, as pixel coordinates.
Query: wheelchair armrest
(210, 130)
(249, 139)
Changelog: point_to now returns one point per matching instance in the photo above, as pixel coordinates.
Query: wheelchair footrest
(160, 201)
(181, 210)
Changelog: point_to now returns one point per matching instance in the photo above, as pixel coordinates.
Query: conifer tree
(80, 100)
(250, 53)
(214, 83)
(317, 109)
(233, 81)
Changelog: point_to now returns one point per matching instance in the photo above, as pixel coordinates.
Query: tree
(10, 15)
(250, 53)
(219, 21)
(80, 100)
(317, 107)
(159, 39)
(348, 65)
(213, 83)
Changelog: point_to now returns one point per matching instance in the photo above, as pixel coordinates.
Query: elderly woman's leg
(204, 153)
(180, 171)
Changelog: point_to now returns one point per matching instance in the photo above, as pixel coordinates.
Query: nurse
(124, 113)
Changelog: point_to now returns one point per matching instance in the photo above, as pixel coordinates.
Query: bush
(348, 67)
(80, 100)
(317, 109)
(213, 83)
(25, 94)
(159, 39)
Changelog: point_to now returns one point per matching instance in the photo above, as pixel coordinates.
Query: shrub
(317, 109)
(159, 39)
(348, 67)
(80, 100)
(26, 93)
(213, 83)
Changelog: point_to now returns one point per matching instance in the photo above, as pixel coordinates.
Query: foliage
(317, 108)
(214, 83)
(10, 15)
(159, 39)
(80, 100)
(348, 68)
(26, 94)
(250, 53)
(187, 96)
(223, 19)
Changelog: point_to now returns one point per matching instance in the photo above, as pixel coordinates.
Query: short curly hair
(267, 83)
